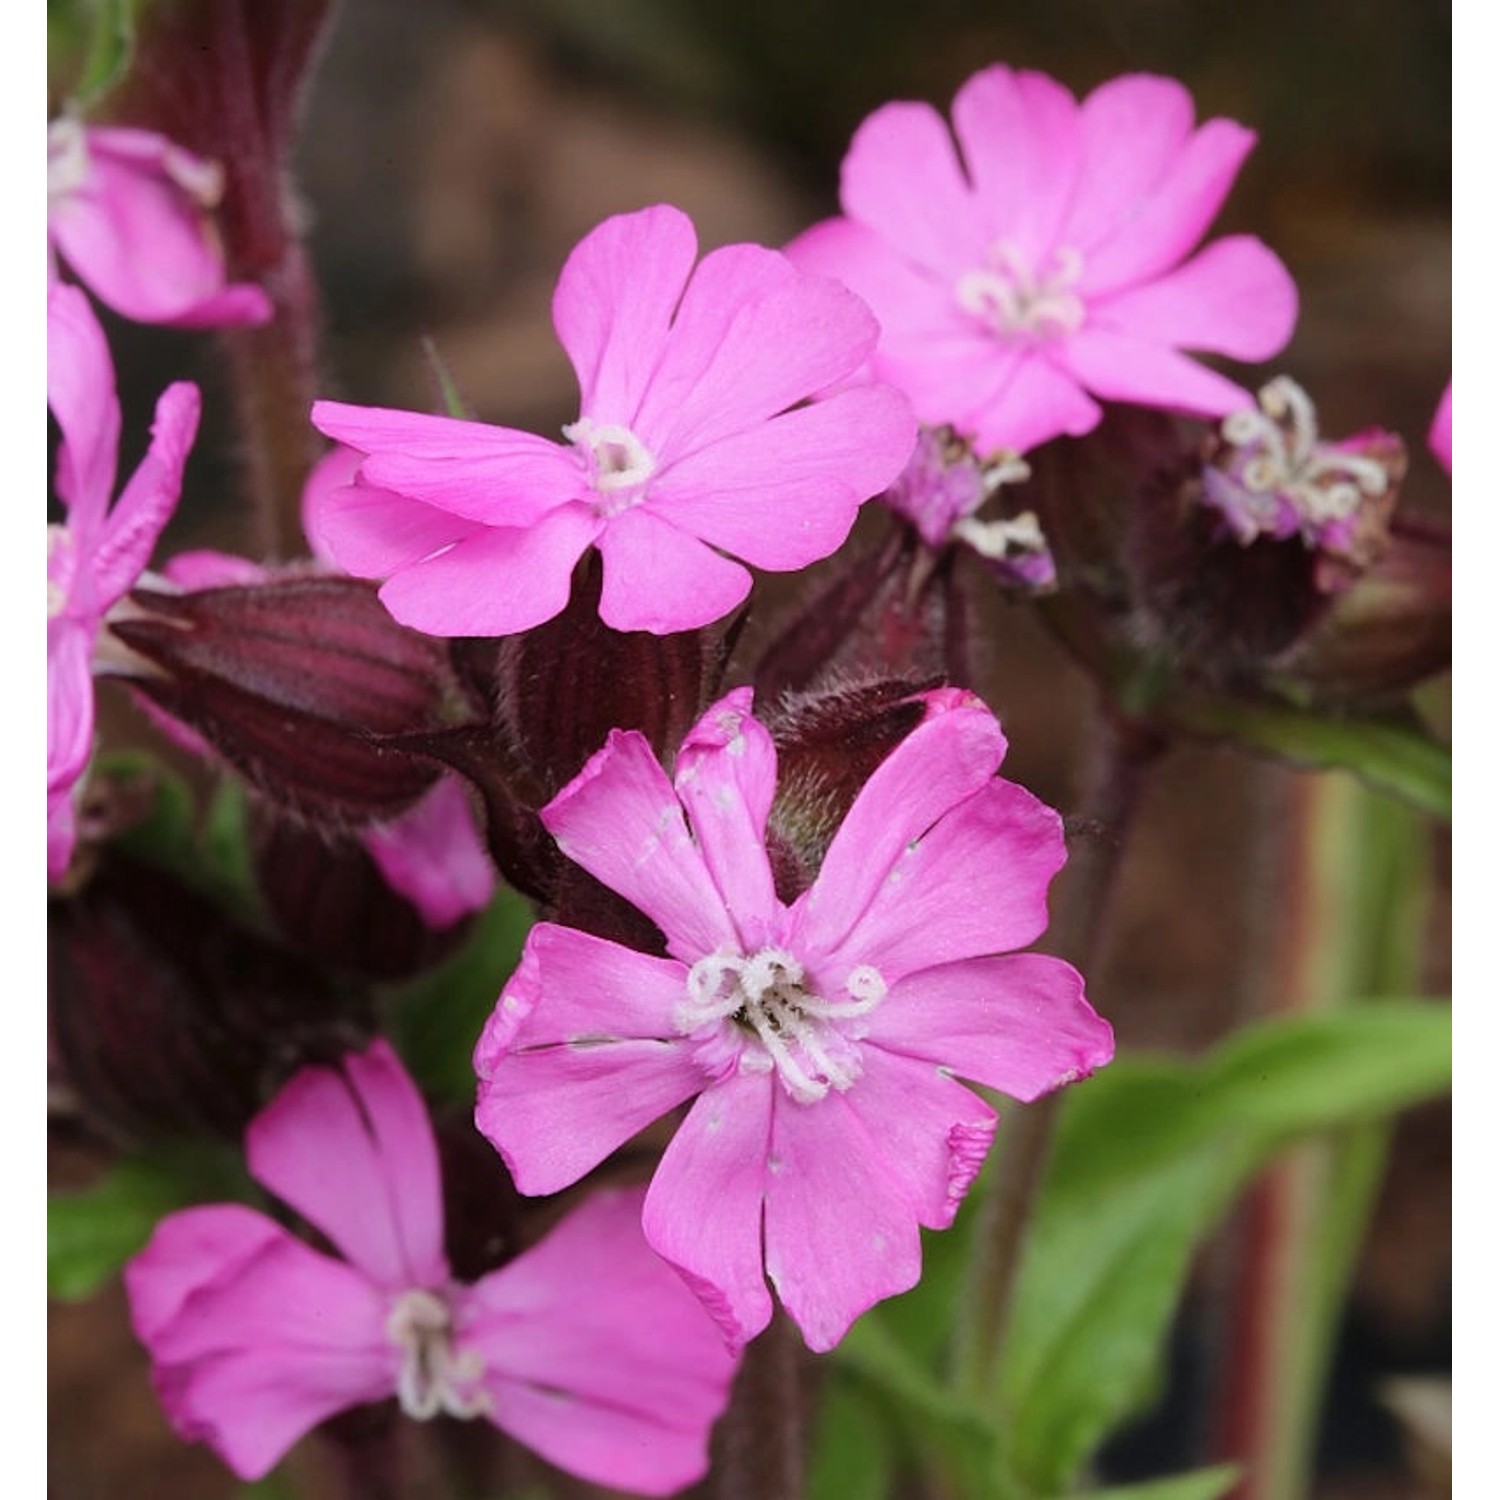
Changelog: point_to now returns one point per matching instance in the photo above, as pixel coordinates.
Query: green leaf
(91, 1234)
(1396, 755)
(852, 1457)
(1149, 1155)
(1201, 1484)
(90, 43)
(437, 1018)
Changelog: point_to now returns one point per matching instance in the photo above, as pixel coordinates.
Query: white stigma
(619, 463)
(1019, 302)
(766, 994)
(1000, 539)
(1284, 457)
(434, 1377)
(67, 157)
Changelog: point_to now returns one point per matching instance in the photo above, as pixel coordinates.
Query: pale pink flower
(586, 1348)
(98, 552)
(1440, 435)
(1045, 266)
(702, 437)
(129, 213)
(816, 1041)
(433, 853)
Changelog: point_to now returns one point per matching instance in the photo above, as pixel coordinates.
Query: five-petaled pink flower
(97, 553)
(586, 1347)
(1045, 268)
(817, 1041)
(702, 437)
(128, 211)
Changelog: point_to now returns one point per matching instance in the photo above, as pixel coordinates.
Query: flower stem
(1124, 753)
(759, 1444)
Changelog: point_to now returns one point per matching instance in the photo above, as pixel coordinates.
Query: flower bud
(296, 681)
(166, 1016)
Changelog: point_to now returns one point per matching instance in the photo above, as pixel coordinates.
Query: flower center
(1022, 302)
(434, 1377)
(618, 462)
(797, 1031)
(1280, 455)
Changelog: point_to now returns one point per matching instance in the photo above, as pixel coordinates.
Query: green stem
(1025, 1141)
(1350, 921)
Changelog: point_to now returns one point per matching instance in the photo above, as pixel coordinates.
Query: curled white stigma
(766, 994)
(433, 1377)
(1017, 301)
(618, 461)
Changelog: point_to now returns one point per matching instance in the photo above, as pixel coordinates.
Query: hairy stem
(759, 1444)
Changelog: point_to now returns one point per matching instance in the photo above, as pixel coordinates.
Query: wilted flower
(255, 1338)
(1046, 268)
(702, 437)
(128, 211)
(817, 1040)
(98, 552)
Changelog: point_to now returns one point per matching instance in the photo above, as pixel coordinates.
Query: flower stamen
(434, 1377)
(1020, 302)
(619, 463)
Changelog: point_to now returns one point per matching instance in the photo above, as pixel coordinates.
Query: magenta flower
(817, 1041)
(1440, 435)
(586, 1348)
(129, 212)
(702, 438)
(98, 552)
(1046, 265)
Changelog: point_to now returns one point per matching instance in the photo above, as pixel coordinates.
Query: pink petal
(81, 395)
(910, 303)
(660, 579)
(1440, 436)
(268, 1338)
(141, 239)
(1134, 129)
(203, 568)
(62, 832)
(583, 1027)
(621, 821)
(975, 883)
(1040, 402)
(130, 534)
(337, 468)
(1118, 367)
(726, 778)
(1170, 220)
(353, 1152)
(703, 1209)
(840, 1232)
(938, 765)
(901, 178)
(1023, 146)
(1017, 1023)
(434, 856)
(614, 302)
(496, 581)
(621, 1389)
(372, 533)
(780, 344)
(70, 701)
(495, 475)
(786, 494)
(927, 1134)
(1235, 298)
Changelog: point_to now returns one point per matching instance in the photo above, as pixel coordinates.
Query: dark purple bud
(168, 1017)
(296, 682)
(329, 901)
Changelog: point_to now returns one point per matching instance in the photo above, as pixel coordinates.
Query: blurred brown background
(455, 150)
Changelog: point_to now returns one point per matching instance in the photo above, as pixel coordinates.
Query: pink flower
(433, 853)
(1440, 435)
(702, 437)
(98, 552)
(586, 1348)
(129, 212)
(817, 1041)
(1046, 266)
